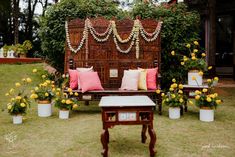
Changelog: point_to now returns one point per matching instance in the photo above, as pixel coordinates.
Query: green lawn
(80, 135)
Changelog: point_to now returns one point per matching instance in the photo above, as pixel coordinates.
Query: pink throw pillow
(151, 78)
(90, 81)
(130, 80)
(83, 70)
(73, 79)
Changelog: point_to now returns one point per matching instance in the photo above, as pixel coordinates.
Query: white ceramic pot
(64, 114)
(174, 112)
(17, 119)
(44, 109)
(198, 81)
(206, 115)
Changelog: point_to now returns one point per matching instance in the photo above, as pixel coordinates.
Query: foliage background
(180, 27)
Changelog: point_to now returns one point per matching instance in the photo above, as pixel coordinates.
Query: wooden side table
(187, 89)
(127, 110)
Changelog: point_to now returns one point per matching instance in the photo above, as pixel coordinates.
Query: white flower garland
(134, 36)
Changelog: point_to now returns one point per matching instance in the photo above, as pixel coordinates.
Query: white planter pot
(198, 81)
(206, 115)
(17, 119)
(174, 112)
(44, 109)
(64, 114)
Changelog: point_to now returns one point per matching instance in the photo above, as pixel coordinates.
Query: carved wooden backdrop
(104, 56)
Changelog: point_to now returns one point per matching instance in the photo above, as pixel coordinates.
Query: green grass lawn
(80, 135)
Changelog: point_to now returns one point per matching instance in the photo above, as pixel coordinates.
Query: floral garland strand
(97, 33)
(100, 39)
(154, 34)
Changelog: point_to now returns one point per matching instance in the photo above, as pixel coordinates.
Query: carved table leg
(104, 141)
(153, 140)
(143, 133)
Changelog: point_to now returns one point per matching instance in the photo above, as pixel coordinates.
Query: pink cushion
(151, 78)
(90, 81)
(73, 79)
(83, 70)
(130, 80)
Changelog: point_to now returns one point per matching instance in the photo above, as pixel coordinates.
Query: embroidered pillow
(73, 79)
(89, 81)
(130, 80)
(151, 78)
(83, 70)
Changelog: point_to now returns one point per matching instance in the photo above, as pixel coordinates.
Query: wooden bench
(108, 61)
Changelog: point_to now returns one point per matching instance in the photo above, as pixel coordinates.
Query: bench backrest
(104, 56)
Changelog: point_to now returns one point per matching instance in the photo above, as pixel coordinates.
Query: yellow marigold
(218, 102)
(171, 89)
(63, 101)
(173, 80)
(193, 54)
(28, 80)
(216, 78)
(163, 94)
(212, 96)
(193, 78)
(215, 94)
(75, 106)
(181, 100)
(71, 93)
(203, 54)
(180, 91)
(58, 89)
(43, 76)
(158, 91)
(173, 96)
(185, 58)
(208, 99)
(48, 81)
(7, 94)
(36, 88)
(172, 53)
(32, 96)
(35, 70)
(9, 107)
(188, 45)
(182, 63)
(44, 84)
(70, 90)
(17, 84)
(196, 43)
(181, 86)
(195, 50)
(57, 93)
(53, 89)
(46, 94)
(12, 99)
(204, 90)
(76, 94)
(197, 92)
(22, 104)
(208, 80)
(194, 58)
(175, 85)
(68, 102)
(200, 73)
(197, 97)
(18, 97)
(210, 67)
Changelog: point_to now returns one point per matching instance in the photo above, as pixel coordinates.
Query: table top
(126, 101)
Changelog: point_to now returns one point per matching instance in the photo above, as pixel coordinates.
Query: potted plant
(43, 95)
(5, 50)
(207, 101)
(22, 49)
(174, 98)
(19, 101)
(64, 103)
(195, 64)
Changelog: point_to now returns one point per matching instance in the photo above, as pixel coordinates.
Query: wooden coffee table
(127, 110)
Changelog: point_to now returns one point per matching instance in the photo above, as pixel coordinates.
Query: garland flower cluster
(103, 37)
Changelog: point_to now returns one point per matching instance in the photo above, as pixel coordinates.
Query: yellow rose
(212, 96)
(181, 86)
(185, 58)
(63, 101)
(75, 106)
(194, 58)
(9, 107)
(197, 92)
(28, 80)
(158, 91)
(195, 50)
(172, 53)
(70, 90)
(193, 78)
(22, 104)
(200, 73)
(173, 80)
(216, 78)
(18, 97)
(209, 80)
(180, 91)
(215, 94)
(181, 100)
(203, 54)
(171, 89)
(188, 45)
(204, 90)
(210, 67)
(197, 97)
(46, 94)
(36, 88)
(35, 70)
(193, 54)
(17, 84)
(218, 102)
(32, 96)
(196, 43)
(76, 94)
(162, 94)
(68, 102)
(182, 63)
(208, 99)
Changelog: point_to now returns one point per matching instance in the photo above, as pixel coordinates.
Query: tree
(15, 10)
